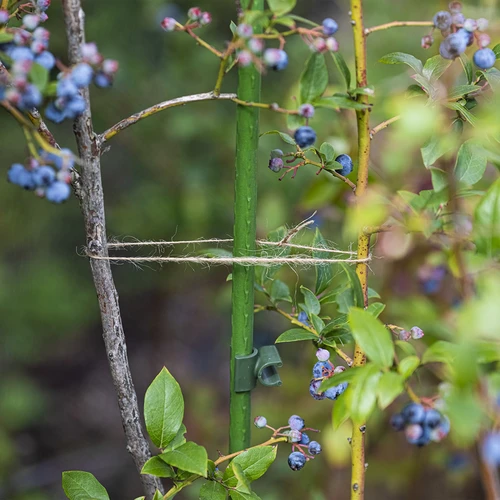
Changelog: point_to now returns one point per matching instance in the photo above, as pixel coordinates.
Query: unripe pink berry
(244, 58)
(413, 431)
(43, 17)
(168, 24)
(482, 24)
(416, 333)
(458, 18)
(427, 41)
(331, 44)
(483, 40)
(339, 369)
(22, 37)
(194, 13)
(455, 7)
(41, 34)
(31, 21)
(260, 422)
(110, 66)
(256, 45)
(319, 45)
(244, 30)
(206, 18)
(470, 24)
(321, 354)
(294, 436)
(4, 16)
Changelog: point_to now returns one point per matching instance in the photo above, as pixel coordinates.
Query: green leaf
(389, 387)
(342, 67)
(326, 149)
(155, 466)
(468, 68)
(492, 76)
(317, 322)
(376, 309)
(408, 365)
(464, 112)
(158, 495)
(406, 347)
(487, 221)
(361, 393)
(189, 457)
(6, 37)
(461, 90)
(345, 376)
(311, 302)
(345, 300)
(402, 58)
(439, 179)
(287, 21)
(79, 485)
(178, 440)
(280, 292)
(254, 462)
(496, 50)
(281, 7)
(314, 79)
(415, 91)
(434, 148)
(341, 412)
(372, 336)
(295, 335)
(440, 352)
(373, 294)
(285, 137)
(243, 485)
(163, 409)
(210, 490)
(471, 163)
(39, 76)
(241, 495)
(324, 273)
(434, 67)
(354, 284)
(338, 101)
(293, 122)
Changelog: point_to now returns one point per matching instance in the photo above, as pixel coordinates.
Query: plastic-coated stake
(245, 201)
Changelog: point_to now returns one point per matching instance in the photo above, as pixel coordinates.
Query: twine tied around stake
(300, 260)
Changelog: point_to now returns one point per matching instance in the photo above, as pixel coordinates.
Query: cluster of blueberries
(251, 49)
(415, 333)
(303, 449)
(324, 369)
(459, 33)
(431, 278)
(48, 176)
(421, 425)
(29, 46)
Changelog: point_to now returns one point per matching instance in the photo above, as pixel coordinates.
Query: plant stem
(397, 24)
(363, 126)
(383, 125)
(245, 207)
(203, 43)
(273, 107)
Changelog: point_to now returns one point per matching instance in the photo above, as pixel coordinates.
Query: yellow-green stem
(363, 125)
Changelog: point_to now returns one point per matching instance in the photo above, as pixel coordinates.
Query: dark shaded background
(172, 175)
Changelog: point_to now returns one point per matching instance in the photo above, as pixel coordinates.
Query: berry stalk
(245, 205)
(363, 126)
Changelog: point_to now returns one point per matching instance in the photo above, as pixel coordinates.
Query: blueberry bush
(446, 107)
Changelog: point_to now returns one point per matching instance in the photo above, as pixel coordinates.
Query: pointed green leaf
(439, 179)
(487, 221)
(340, 412)
(281, 7)
(178, 440)
(311, 302)
(354, 284)
(79, 485)
(471, 163)
(402, 58)
(189, 457)
(389, 387)
(254, 462)
(6, 37)
(314, 79)
(280, 292)
(158, 495)
(434, 67)
(408, 365)
(345, 376)
(372, 336)
(342, 67)
(406, 347)
(361, 393)
(468, 68)
(163, 409)
(211, 490)
(240, 495)
(317, 322)
(295, 335)
(243, 485)
(434, 148)
(155, 466)
(285, 137)
(39, 76)
(376, 309)
(440, 352)
(461, 90)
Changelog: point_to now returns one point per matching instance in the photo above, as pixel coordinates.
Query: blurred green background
(171, 176)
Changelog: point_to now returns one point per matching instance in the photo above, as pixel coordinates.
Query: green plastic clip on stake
(261, 365)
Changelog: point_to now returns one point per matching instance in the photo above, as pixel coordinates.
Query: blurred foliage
(172, 175)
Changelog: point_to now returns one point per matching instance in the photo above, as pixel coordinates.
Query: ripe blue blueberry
(432, 418)
(442, 20)
(21, 54)
(305, 440)
(276, 59)
(31, 21)
(346, 162)
(413, 413)
(416, 332)
(330, 26)
(44, 175)
(467, 35)
(296, 460)
(320, 368)
(296, 423)
(305, 136)
(58, 192)
(81, 75)
(46, 59)
(260, 422)
(491, 449)
(31, 97)
(334, 392)
(314, 448)
(4, 16)
(397, 422)
(302, 317)
(294, 436)
(484, 58)
(54, 114)
(442, 430)
(66, 88)
(75, 106)
(452, 46)
(470, 24)
(314, 390)
(15, 172)
(43, 4)
(275, 164)
(425, 438)
(102, 80)
(22, 177)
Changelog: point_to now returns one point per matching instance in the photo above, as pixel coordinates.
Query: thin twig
(92, 206)
(397, 24)
(272, 106)
(179, 101)
(383, 125)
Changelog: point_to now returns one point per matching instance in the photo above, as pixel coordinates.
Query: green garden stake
(245, 202)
